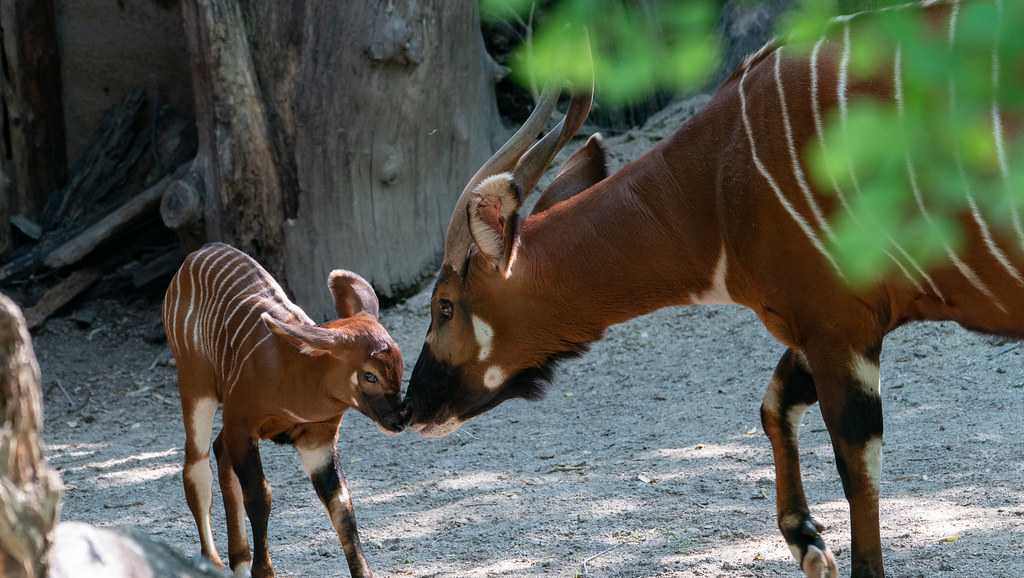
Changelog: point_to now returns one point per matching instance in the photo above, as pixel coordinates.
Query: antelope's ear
(352, 294)
(308, 339)
(494, 219)
(585, 168)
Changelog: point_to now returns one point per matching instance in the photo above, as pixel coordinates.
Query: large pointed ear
(352, 294)
(494, 220)
(585, 168)
(308, 339)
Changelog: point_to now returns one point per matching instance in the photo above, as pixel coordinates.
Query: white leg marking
(202, 479)
(773, 397)
(800, 221)
(202, 423)
(717, 293)
(242, 569)
(873, 462)
(484, 335)
(798, 171)
(794, 416)
(818, 564)
(494, 377)
(315, 459)
(795, 551)
(868, 374)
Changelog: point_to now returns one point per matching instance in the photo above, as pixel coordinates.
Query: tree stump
(29, 490)
(338, 134)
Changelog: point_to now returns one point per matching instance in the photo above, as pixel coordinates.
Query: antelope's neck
(645, 238)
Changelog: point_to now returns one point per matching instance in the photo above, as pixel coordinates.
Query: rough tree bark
(34, 116)
(29, 490)
(338, 134)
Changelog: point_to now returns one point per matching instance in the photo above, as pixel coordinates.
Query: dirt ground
(646, 459)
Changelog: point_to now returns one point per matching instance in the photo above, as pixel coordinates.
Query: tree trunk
(338, 134)
(34, 116)
(29, 490)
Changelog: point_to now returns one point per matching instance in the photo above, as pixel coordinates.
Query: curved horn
(534, 162)
(458, 238)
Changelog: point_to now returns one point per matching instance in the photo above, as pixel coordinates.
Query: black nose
(397, 419)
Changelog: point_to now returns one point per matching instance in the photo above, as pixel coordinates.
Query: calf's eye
(369, 377)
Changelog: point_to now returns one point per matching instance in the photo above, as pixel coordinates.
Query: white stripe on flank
(954, 15)
(213, 273)
(800, 221)
(898, 90)
(241, 364)
(199, 291)
(841, 94)
(997, 135)
(221, 293)
(798, 171)
(979, 219)
(225, 320)
(177, 304)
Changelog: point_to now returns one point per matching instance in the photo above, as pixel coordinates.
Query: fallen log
(60, 295)
(163, 267)
(86, 242)
(30, 490)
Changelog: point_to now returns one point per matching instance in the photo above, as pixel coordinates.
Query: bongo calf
(241, 344)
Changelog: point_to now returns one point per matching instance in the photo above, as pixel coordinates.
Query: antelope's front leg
(789, 394)
(848, 387)
(320, 461)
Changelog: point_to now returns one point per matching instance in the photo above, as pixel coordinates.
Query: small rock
(84, 317)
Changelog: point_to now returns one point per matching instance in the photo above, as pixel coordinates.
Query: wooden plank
(32, 100)
(60, 295)
(86, 242)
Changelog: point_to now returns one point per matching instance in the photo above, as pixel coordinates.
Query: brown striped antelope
(241, 344)
(722, 211)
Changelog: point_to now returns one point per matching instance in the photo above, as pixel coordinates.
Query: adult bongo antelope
(240, 343)
(721, 212)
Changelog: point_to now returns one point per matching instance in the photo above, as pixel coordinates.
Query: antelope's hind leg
(317, 449)
(244, 453)
(789, 394)
(198, 477)
(239, 554)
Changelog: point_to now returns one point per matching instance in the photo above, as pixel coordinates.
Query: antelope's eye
(445, 308)
(369, 377)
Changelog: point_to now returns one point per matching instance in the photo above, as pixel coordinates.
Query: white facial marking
(718, 292)
(873, 461)
(314, 459)
(494, 377)
(484, 335)
(867, 373)
(355, 378)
